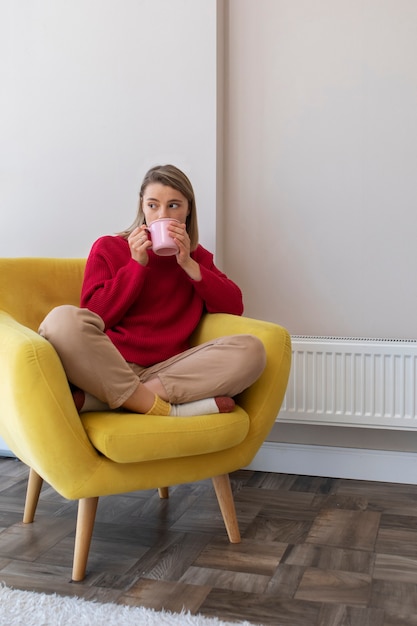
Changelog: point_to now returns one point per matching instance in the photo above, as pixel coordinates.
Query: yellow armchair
(95, 454)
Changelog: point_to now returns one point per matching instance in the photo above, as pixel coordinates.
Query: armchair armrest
(38, 419)
(262, 401)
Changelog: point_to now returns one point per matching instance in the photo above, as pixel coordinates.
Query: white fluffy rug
(25, 608)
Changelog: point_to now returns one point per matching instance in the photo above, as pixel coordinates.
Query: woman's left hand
(179, 234)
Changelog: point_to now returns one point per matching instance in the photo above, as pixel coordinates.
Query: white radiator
(352, 382)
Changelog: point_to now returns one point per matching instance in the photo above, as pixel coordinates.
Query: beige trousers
(222, 367)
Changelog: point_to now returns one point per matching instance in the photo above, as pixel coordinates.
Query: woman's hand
(139, 243)
(179, 233)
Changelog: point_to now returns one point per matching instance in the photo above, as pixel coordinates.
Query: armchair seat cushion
(131, 438)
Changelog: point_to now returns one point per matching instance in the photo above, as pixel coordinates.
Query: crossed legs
(222, 367)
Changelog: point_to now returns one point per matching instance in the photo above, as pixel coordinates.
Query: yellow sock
(159, 407)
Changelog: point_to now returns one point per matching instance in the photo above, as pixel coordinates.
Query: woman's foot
(85, 402)
(220, 404)
(78, 396)
(225, 404)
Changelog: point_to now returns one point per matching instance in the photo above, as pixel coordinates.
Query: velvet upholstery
(107, 453)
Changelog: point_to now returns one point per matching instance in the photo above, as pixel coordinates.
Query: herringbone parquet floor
(314, 551)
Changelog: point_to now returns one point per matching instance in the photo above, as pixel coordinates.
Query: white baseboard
(4, 449)
(379, 465)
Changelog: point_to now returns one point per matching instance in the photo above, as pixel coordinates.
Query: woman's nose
(163, 212)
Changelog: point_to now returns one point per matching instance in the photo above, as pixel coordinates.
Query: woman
(127, 345)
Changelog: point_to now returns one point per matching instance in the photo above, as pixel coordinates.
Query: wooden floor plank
(345, 529)
(170, 596)
(335, 586)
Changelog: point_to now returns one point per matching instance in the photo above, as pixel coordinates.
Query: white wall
(93, 93)
(321, 184)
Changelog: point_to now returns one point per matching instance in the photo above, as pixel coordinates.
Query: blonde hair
(170, 176)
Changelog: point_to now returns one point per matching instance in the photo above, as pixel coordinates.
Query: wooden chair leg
(87, 508)
(163, 492)
(32, 496)
(224, 495)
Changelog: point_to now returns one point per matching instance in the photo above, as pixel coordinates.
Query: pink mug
(162, 242)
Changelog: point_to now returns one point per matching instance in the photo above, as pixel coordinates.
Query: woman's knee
(255, 356)
(57, 320)
(65, 322)
(246, 362)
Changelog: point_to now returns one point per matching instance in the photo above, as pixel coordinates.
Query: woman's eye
(174, 205)
(151, 205)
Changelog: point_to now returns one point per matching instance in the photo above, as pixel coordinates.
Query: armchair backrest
(31, 287)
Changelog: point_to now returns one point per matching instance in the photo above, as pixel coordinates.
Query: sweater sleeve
(219, 293)
(112, 280)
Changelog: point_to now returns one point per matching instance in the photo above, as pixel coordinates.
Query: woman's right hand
(139, 243)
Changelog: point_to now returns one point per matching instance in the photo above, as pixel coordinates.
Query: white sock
(198, 407)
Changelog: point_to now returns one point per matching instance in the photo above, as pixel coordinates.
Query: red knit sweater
(150, 312)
